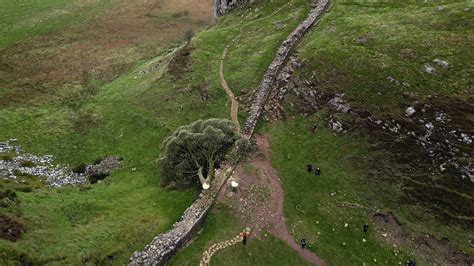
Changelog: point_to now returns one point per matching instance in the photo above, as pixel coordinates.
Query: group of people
(366, 229)
(309, 168)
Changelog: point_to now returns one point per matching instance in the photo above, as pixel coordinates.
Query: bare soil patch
(10, 229)
(258, 201)
(179, 65)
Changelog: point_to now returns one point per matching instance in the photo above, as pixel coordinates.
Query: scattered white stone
(363, 240)
(442, 167)
(466, 138)
(428, 69)
(410, 111)
(441, 63)
(346, 224)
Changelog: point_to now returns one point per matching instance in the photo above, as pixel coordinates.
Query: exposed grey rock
(221, 7)
(428, 69)
(338, 104)
(335, 125)
(279, 25)
(410, 111)
(441, 63)
(361, 40)
(44, 167)
(466, 138)
(439, 8)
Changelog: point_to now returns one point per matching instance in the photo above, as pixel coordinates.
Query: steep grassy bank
(130, 115)
(127, 117)
(376, 55)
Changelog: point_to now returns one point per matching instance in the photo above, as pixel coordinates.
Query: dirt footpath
(258, 201)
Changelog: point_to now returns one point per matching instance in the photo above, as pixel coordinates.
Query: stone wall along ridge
(265, 86)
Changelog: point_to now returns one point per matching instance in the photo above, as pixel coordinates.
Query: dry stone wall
(165, 245)
(265, 87)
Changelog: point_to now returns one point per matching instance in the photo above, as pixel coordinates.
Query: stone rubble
(410, 111)
(338, 104)
(44, 167)
(441, 63)
(221, 7)
(428, 69)
(431, 129)
(335, 125)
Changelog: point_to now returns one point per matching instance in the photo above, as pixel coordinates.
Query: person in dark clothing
(309, 167)
(366, 228)
(314, 128)
(244, 235)
(410, 263)
(318, 171)
(303, 243)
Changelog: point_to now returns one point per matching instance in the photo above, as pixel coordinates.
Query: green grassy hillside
(125, 97)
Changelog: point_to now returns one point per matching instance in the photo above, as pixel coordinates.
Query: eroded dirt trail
(234, 108)
(258, 202)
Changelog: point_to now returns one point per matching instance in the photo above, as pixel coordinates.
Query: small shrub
(188, 35)
(8, 194)
(98, 160)
(10, 229)
(80, 169)
(24, 189)
(7, 157)
(28, 164)
(94, 178)
(240, 149)
(180, 14)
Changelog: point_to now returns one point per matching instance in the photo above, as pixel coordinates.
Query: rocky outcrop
(14, 165)
(223, 6)
(165, 245)
(264, 89)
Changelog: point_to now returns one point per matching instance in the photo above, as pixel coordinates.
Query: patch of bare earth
(258, 201)
(48, 67)
(10, 229)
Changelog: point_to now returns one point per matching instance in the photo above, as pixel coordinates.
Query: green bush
(80, 169)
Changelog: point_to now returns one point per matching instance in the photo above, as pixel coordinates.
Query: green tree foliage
(193, 151)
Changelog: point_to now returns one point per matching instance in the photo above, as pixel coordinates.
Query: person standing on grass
(309, 167)
(303, 243)
(244, 236)
(366, 228)
(318, 171)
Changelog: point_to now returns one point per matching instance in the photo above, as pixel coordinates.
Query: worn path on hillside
(234, 107)
(259, 201)
(253, 210)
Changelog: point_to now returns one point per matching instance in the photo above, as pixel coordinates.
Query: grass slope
(219, 226)
(23, 19)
